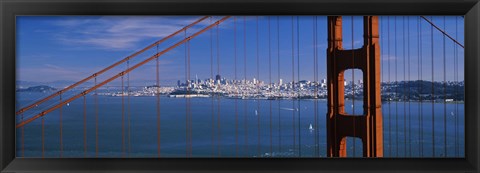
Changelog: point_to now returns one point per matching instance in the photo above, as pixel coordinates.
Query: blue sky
(51, 48)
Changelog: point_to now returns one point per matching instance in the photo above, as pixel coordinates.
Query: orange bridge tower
(368, 126)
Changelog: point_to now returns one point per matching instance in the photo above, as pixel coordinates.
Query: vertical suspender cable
(403, 93)
(245, 82)
(270, 81)
(298, 77)
(317, 132)
(61, 127)
(23, 138)
(158, 103)
(396, 88)
(389, 97)
(382, 78)
(353, 87)
(420, 83)
(128, 110)
(218, 95)
(123, 118)
(433, 94)
(189, 104)
(85, 124)
(258, 91)
(213, 98)
(293, 84)
(96, 119)
(317, 127)
(279, 87)
(455, 50)
(315, 116)
(409, 90)
(235, 83)
(444, 94)
(43, 137)
(186, 99)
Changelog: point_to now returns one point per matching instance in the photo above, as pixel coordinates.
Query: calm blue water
(401, 138)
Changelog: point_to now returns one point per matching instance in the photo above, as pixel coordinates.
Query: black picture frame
(11, 8)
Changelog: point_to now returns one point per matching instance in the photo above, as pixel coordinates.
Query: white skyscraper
(281, 82)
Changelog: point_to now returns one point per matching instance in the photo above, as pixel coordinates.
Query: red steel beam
(108, 68)
(43, 113)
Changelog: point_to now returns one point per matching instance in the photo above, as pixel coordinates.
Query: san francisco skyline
(71, 48)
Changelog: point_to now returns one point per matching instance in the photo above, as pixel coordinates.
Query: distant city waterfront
(254, 89)
(405, 127)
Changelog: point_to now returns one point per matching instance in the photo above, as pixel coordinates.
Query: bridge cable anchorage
(442, 31)
(433, 93)
(257, 85)
(298, 91)
(270, 83)
(245, 83)
(109, 67)
(158, 105)
(21, 124)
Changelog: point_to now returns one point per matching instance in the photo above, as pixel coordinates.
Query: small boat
(451, 113)
(310, 127)
(256, 112)
(288, 109)
(68, 104)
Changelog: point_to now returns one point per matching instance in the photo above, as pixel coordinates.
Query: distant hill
(423, 89)
(40, 88)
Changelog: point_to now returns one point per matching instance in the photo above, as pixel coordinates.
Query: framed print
(205, 86)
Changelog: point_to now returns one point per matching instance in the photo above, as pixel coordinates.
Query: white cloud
(119, 32)
(50, 72)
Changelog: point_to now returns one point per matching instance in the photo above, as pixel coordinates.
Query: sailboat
(256, 112)
(311, 127)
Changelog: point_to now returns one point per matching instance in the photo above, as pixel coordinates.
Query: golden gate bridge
(367, 126)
